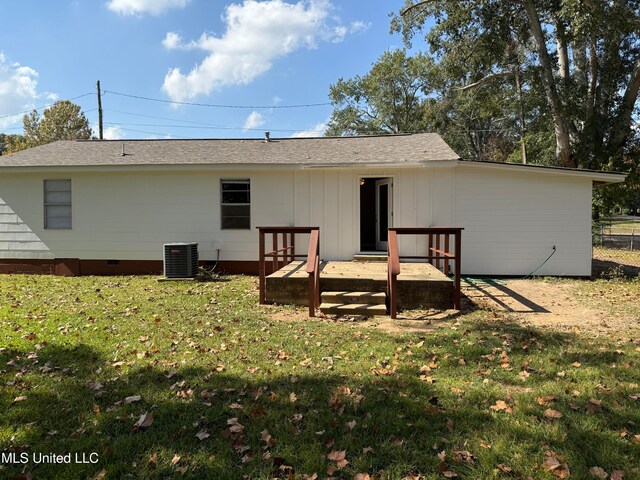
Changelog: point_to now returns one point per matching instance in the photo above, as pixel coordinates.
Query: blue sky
(268, 53)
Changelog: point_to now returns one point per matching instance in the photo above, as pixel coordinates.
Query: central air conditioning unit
(180, 260)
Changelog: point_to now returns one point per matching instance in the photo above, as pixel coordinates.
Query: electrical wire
(45, 106)
(213, 105)
(204, 127)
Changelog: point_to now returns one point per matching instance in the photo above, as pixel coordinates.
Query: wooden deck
(419, 284)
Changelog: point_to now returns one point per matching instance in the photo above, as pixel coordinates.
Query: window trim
(45, 204)
(244, 181)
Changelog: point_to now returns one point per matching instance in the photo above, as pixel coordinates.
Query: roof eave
(598, 178)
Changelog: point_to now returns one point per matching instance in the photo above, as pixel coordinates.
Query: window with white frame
(235, 202)
(57, 204)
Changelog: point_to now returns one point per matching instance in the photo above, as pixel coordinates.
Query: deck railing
(278, 257)
(439, 254)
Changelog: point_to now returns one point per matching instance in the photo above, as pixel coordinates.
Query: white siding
(512, 220)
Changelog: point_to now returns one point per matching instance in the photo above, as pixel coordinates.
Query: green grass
(75, 347)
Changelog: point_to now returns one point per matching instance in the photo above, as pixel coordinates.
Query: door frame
(382, 244)
(359, 176)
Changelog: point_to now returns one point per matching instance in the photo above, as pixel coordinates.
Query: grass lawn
(194, 380)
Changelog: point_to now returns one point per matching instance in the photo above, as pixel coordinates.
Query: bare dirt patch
(560, 305)
(563, 305)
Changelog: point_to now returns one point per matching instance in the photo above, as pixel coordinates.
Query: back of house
(108, 207)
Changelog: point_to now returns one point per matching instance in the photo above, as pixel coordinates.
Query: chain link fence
(616, 247)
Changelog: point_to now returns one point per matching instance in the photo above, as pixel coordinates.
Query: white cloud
(315, 131)
(172, 41)
(139, 7)
(113, 133)
(257, 34)
(18, 91)
(341, 31)
(254, 120)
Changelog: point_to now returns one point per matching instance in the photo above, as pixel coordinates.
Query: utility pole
(99, 111)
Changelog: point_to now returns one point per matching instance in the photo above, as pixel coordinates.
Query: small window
(57, 204)
(236, 204)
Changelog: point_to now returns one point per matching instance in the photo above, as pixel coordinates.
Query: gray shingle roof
(388, 149)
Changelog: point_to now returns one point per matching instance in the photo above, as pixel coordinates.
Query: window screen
(57, 204)
(236, 204)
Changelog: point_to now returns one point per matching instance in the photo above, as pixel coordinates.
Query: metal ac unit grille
(180, 260)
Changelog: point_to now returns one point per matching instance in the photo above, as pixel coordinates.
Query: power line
(205, 127)
(151, 133)
(193, 104)
(44, 106)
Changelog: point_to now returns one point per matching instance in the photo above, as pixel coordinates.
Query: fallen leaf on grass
(551, 413)
(598, 472)
(361, 476)
(553, 465)
(131, 399)
(501, 405)
(449, 474)
(175, 459)
(145, 421)
(576, 364)
(338, 456)
(617, 475)
(203, 434)
(21, 398)
(463, 456)
(505, 468)
(153, 461)
(594, 405)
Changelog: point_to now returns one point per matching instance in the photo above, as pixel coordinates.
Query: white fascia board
(597, 177)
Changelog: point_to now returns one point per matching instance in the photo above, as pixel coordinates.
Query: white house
(96, 207)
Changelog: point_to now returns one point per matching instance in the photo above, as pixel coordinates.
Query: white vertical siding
(512, 220)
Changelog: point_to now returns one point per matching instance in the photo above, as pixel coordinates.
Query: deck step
(365, 309)
(369, 298)
(366, 257)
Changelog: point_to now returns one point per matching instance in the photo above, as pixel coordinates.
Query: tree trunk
(563, 143)
(622, 124)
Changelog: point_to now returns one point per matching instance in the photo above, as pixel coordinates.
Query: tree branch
(623, 120)
(414, 6)
(491, 76)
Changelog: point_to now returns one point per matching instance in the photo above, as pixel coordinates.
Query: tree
(391, 98)
(11, 143)
(590, 80)
(64, 120)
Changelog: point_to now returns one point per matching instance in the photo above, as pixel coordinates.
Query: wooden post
(275, 252)
(261, 269)
(437, 253)
(456, 294)
(446, 249)
(285, 247)
(429, 252)
(293, 247)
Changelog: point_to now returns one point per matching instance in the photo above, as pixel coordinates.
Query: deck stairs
(366, 304)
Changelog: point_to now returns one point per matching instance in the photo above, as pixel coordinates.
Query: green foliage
(64, 120)
(391, 98)
(487, 39)
(11, 143)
